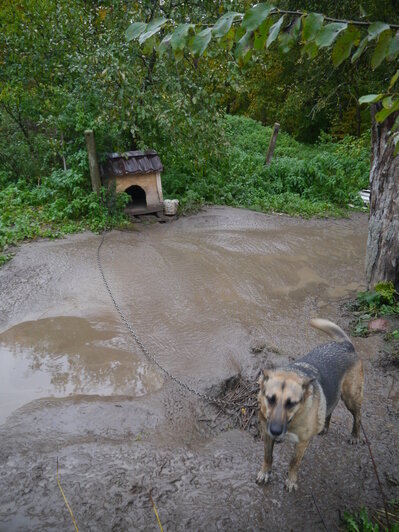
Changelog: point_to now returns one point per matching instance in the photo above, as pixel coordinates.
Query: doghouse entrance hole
(137, 196)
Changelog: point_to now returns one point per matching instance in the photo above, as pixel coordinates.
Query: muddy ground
(210, 295)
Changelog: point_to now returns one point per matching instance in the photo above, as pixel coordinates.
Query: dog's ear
(266, 375)
(307, 388)
(263, 377)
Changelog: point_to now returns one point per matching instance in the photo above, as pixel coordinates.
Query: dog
(297, 401)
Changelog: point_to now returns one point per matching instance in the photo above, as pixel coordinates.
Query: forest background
(66, 66)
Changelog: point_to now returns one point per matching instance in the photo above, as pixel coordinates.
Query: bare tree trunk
(382, 256)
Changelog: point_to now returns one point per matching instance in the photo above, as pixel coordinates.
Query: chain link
(147, 353)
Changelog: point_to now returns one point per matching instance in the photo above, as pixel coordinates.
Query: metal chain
(186, 387)
(147, 353)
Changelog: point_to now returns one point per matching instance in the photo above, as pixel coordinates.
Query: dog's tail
(331, 329)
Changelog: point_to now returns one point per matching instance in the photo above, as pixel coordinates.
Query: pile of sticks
(242, 404)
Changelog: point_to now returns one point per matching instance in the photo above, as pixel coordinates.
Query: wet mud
(212, 295)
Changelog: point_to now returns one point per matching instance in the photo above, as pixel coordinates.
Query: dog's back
(328, 363)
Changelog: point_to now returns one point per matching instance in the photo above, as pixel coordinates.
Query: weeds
(62, 204)
(382, 301)
(301, 180)
(359, 522)
(362, 521)
(5, 258)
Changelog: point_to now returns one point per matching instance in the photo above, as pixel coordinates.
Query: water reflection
(67, 355)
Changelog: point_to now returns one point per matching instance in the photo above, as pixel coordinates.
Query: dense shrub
(301, 179)
(61, 204)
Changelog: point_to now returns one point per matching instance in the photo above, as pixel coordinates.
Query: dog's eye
(271, 399)
(290, 404)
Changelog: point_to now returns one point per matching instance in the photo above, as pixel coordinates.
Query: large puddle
(57, 357)
(198, 292)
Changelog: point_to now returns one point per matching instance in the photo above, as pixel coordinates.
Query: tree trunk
(382, 256)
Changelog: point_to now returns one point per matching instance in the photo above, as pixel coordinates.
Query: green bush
(301, 179)
(62, 204)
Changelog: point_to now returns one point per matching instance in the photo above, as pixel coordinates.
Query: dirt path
(210, 295)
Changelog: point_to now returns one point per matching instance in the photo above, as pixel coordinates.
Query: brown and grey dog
(297, 401)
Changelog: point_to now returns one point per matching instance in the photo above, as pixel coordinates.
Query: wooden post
(63, 156)
(93, 163)
(272, 143)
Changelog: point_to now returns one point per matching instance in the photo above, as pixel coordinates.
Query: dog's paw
(291, 485)
(356, 440)
(263, 478)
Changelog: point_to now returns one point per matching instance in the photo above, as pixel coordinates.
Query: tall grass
(304, 180)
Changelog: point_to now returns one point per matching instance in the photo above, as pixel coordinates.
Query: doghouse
(138, 173)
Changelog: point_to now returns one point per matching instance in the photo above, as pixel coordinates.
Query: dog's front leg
(264, 474)
(291, 482)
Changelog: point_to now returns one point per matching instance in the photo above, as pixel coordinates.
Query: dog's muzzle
(277, 430)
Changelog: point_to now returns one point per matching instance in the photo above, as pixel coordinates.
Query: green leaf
(311, 26)
(296, 29)
(239, 33)
(381, 50)
(261, 34)
(274, 31)
(329, 33)
(360, 49)
(223, 24)
(149, 45)
(254, 17)
(393, 49)
(244, 45)
(310, 49)
(394, 79)
(286, 42)
(179, 37)
(135, 30)
(152, 28)
(384, 113)
(243, 60)
(164, 44)
(343, 47)
(370, 98)
(387, 102)
(201, 41)
(289, 38)
(227, 42)
(375, 29)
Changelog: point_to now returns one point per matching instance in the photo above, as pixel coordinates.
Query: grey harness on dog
(327, 364)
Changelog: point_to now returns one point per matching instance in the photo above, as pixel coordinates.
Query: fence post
(93, 163)
(272, 143)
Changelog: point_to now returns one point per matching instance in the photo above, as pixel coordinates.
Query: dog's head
(281, 397)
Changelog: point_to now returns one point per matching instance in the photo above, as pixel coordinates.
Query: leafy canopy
(264, 25)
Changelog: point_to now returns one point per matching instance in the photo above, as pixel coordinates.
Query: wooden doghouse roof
(131, 162)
